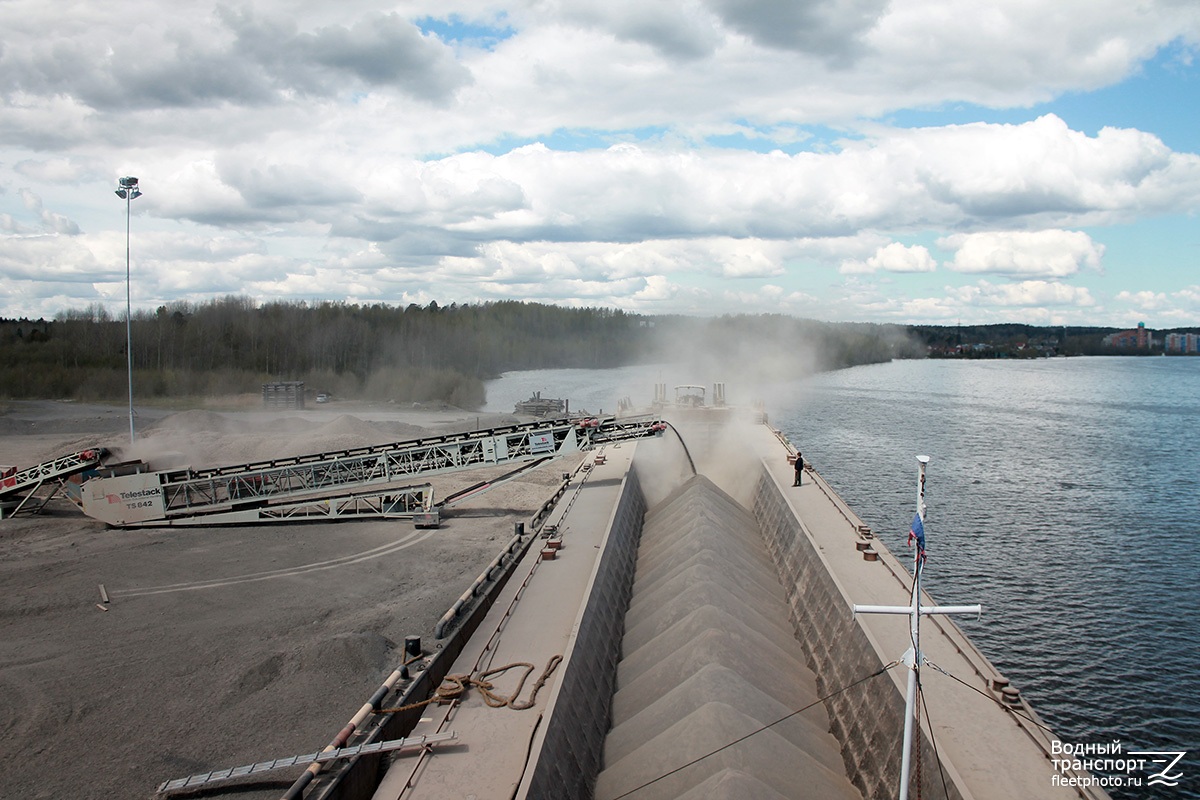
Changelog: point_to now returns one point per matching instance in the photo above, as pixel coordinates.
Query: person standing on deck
(799, 467)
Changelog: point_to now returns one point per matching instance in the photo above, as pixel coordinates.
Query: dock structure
(700, 642)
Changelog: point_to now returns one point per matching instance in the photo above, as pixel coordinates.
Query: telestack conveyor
(360, 482)
(18, 488)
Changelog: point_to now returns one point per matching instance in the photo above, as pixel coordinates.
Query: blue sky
(911, 161)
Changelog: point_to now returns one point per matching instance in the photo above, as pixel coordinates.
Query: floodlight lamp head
(923, 459)
(129, 188)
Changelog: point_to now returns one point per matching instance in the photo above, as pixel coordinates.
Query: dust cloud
(202, 439)
(759, 360)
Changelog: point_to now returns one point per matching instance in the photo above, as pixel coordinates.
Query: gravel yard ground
(221, 646)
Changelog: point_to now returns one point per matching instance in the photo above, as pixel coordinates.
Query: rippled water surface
(1063, 495)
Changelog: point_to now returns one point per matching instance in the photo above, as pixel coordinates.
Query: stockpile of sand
(345, 658)
(196, 420)
(197, 438)
(204, 439)
(344, 433)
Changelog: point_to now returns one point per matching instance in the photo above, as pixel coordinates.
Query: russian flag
(917, 533)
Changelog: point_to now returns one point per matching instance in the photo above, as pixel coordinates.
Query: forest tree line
(231, 345)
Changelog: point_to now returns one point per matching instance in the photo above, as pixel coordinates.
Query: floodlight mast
(128, 192)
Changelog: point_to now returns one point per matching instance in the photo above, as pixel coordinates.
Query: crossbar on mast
(913, 657)
(925, 610)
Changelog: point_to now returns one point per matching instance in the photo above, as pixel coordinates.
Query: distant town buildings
(1012, 340)
(1141, 338)
(1183, 343)
(1138, 337)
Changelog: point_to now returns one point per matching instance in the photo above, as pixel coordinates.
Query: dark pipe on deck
(296, 790)
(513, 547)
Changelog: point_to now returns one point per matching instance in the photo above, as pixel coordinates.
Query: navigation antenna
(913, 658)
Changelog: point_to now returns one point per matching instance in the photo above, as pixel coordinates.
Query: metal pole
(922, 461)
(128, 314)
(910, 702)
(912, 659)
(913, 656)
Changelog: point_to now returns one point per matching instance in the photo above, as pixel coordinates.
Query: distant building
(1139, 337)
(1183, 343)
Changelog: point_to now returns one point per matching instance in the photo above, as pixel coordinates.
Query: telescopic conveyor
(357, 482)
(17, 487)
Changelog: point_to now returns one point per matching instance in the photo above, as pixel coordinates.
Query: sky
(893, 161)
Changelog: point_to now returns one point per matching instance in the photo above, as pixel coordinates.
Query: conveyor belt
(17, 487)
(172, 496)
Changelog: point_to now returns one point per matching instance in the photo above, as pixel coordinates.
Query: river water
(1062, 495)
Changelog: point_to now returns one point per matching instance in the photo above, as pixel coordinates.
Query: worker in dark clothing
(799, 468)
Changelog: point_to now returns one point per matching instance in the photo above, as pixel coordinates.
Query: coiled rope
(454, 687)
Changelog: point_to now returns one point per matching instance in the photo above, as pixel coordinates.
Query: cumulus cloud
(894, 257)
(51, 221)
(568, 151)
(769, 299)
(67, 169)
(181, 59)
(379, 49)
(57, 258)
(1189, 295)
(164, 266)
(627, 192)
(677, 29)
(1177, 308)
(1044, 169)
(831, 29)
(1145, 300)
(1023, 293)
(558, 65)
(1045, 254)
(732, 258)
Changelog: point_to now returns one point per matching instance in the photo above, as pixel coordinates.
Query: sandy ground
(221, 646)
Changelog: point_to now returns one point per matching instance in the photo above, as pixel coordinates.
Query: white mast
(913, 657)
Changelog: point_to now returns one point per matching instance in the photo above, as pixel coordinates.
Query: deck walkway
(533, 621)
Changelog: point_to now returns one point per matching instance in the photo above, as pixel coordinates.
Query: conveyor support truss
(18, 486)
(182, 496)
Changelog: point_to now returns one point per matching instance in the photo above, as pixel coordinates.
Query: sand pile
(401, 431)
(709, 657)
(344, 433)
(196, 420)
(345, 658)
(203, 439)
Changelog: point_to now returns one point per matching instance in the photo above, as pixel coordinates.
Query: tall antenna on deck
(913, 658)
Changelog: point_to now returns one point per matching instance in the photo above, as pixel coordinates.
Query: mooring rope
(454, 687)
